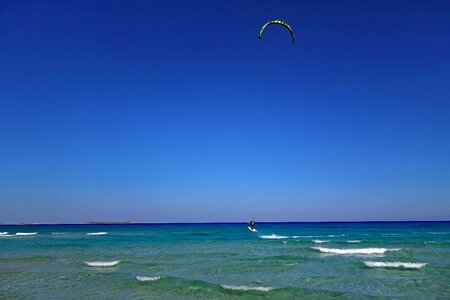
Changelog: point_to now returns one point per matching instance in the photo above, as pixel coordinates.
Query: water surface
(226, 261)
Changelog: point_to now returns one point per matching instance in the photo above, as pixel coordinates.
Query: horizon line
(213, 223)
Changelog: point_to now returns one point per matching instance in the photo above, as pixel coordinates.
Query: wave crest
(26, 233)
(97, 233)
(274, 236)
(102, 263)
(247, 288)
(431, 242)
(354, 251)
(407, 265)
(147, 278)
(320, 241)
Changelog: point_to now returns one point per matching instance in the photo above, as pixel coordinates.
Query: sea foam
(97, 233)
(274, 236)
(102, 263)
(320, 241)
(147, 278)
(407, 265)
(247, 288)
(4, 233)
(354, 241)
(431, 242)
(354, 251)
(26, 233)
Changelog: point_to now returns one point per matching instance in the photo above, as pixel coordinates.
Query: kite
(279, 23)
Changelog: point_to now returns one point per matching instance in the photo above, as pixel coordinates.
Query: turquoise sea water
(226, 261)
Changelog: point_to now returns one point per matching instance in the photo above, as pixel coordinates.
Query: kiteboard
(252, 229)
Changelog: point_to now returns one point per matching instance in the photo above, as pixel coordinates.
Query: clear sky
(174, 111)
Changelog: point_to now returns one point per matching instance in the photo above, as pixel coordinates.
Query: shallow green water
(227, 261)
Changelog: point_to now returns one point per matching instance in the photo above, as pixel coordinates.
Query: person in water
(252, 223)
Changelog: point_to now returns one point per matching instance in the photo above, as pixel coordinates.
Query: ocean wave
(354, 251)
(97, 233)
(431, 242)
(4, 233)
(102, 263)
(274, 236)
(320, 241)
(318, 236)
(147, 278)
(59, 233)
(26, 233)
(247, 288)
(407, 265)
(354, 241)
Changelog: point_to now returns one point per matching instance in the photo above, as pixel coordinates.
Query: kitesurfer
(252, 223)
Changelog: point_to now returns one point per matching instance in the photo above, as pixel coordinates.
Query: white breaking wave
(3, 233)
(407, 265)
(317, 236)
(320, 241)
(6, 235)
(147, 278)
(247, 288)
(97, 233)
(274, 236)
(431, 242)
(354, 251)
(102, 263)
(26, 233)
(354, 241)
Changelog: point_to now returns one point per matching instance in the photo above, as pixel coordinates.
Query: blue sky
(174, 111)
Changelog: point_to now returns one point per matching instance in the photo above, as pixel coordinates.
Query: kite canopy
(279, 23)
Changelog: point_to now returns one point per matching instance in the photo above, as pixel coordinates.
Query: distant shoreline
(112, 223)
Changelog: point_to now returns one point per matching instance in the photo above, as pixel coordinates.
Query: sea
(374, 260)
